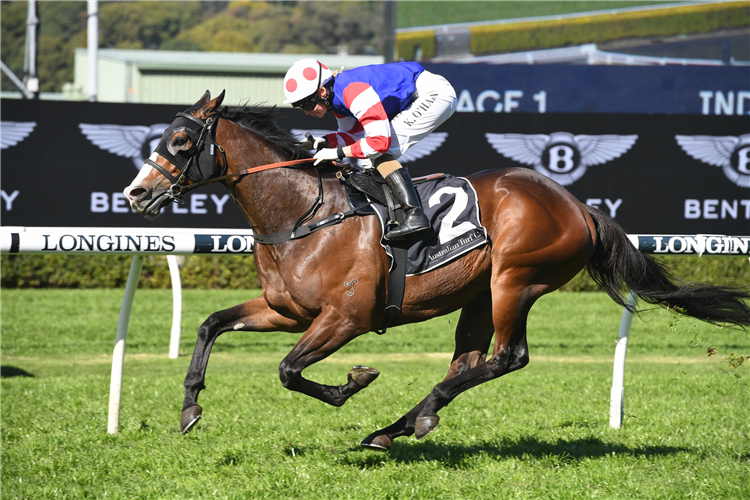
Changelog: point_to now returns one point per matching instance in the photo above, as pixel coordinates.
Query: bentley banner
(65, 164)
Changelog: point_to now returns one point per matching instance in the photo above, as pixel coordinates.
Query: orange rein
(251, 170)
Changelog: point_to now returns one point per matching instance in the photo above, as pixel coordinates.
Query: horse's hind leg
(473, 335)
(254, 315)
(510, 309)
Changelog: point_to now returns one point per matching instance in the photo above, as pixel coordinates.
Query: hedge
(238, 272)
(544, 34)
(234, 272)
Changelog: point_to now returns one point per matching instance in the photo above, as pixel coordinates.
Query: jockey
(382, 111)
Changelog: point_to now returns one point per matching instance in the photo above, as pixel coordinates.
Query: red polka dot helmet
(304, 78)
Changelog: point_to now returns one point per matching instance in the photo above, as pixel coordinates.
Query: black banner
(66, 164)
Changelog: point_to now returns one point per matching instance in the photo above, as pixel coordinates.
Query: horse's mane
(262, 121)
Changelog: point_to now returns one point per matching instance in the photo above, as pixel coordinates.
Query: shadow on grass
(526, 447)
(12, 371)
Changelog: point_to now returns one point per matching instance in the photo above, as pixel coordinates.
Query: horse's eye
(179, 141)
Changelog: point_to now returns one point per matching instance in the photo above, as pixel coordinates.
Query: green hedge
(601, 28)
(234, 272)
(545, 34)
(407, 43)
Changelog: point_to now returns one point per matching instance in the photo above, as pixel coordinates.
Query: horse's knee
(287, 375)
(513, 360)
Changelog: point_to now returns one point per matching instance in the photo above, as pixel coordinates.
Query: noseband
(201, 153)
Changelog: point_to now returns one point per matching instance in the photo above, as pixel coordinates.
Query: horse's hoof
(363, 375)
(378, 443)
(190, 417)
(425, 425)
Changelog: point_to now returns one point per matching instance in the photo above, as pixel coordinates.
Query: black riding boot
(415, 220)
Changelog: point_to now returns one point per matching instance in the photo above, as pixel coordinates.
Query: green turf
(541, 432)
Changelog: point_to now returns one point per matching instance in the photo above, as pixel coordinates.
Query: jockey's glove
(329, 154)
(316, 143)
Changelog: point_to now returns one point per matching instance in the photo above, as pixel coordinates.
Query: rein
(247, 171)
(178, 189)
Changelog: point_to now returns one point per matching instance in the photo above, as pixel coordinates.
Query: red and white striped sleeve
(370, 118)
(349, 131)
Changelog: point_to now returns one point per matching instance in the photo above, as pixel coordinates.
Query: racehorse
(540, 238)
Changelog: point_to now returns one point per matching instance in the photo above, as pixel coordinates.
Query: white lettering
(220, 202)
(706, 96)
(659, 248)
(673, 248)
(743, 160)
(465, 104)
(692, 209)
(724, 105)
(510, 103)
(561, 154)
(714, 245)
(594, 202)
(713, 209)
(709, 209)
(99, 202)
(741, 96)
(613, 206)
(487, 94)
(730, 209)
(541, 98)
(177, 209)
(198, 203)
(120, 204)
(9, 199)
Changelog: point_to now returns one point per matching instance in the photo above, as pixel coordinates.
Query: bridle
(200, 155)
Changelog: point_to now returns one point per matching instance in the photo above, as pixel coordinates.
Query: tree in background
(272, 27)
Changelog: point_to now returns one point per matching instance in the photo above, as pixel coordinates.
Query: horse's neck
(272, 200)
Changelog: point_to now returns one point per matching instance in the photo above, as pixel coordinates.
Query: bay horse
(540, 238)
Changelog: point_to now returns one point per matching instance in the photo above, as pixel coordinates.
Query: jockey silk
(365, 100)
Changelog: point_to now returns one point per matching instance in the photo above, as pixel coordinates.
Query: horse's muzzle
(145, 201)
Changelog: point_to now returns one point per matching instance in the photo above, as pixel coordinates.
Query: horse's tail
(617, 266)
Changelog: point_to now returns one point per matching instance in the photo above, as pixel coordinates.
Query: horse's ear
(203, 100)
(219, 99)
(205, 107)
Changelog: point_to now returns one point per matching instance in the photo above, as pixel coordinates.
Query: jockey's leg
(399, 182)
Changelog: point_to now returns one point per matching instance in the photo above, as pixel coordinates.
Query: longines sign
(65, 164)
(124, 241)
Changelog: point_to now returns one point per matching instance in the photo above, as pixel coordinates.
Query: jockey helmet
(303, 79)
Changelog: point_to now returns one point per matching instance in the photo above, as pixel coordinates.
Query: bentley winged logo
(423, 148)
(131, 141)
(11, 133)
(561, 156)
(730, 153)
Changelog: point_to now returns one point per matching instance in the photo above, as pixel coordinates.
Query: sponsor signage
(65, 164)
(76, 240)
(692, 244)
(572, 88)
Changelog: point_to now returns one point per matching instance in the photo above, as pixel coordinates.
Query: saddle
(455, 230)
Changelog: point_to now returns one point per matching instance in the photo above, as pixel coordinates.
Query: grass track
(541, 432)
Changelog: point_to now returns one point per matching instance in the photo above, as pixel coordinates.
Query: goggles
(309, 103)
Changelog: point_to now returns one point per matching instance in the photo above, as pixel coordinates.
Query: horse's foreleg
(254, 315)
(473, 336)
(330, 331)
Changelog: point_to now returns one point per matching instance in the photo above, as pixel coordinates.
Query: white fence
(140, 242)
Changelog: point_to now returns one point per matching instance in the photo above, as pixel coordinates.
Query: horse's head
(186, 154)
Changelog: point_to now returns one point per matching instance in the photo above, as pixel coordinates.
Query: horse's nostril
(136, 192)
